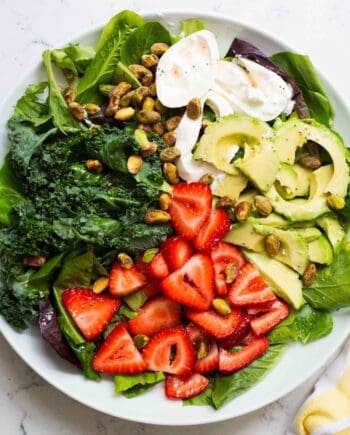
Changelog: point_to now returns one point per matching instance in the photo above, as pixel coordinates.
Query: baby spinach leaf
(8, 198)
(31, 108)
(133, 385)
(331, 288)
(303, 72)
(76, 271)
(74, 57)
(286, 331)
(61, 116)
(228, 387)
(141, 40)
(103, 67)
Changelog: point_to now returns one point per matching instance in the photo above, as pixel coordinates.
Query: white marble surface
(28, 405)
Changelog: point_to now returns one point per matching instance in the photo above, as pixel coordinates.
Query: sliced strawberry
(124, 281)
(158, 268)
(193, 284)
(215, 324)
(261, 325)
(230, 362)
(184, 388)
(213, 230)
(190, 208)
(249, 289)
(156, 314)
(151, 289)
(242, 330)
(118, 354)
(90, 312)
(223, 254)
(259, 309)
(170, 351)
(176, 251)
(199, 337)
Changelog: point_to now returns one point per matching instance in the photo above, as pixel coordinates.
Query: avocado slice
(305, 209)
(223, 139)
(282, 280)
(229, 185)
(320, 251)
(294, 133)
(248, 196)
(273, 220)
(331, 226)
(243, 234)
(292, 181)
(309, 234)
(294, 249)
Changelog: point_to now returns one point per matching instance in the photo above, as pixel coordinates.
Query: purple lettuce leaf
(51, 332)
(249, 51)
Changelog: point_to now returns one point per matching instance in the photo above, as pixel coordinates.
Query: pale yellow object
(328, 407)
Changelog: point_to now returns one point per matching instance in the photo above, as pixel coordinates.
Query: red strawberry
(215, 324)
(118, 354)
(193, 284)
(158, 268)
(184, 388)
(210, 362)
(170, 351)
(124, 281)
(176, 251)
(190, 208)
(249, 288)
(213, 230)
(156, 314)
(230, 362)
(151, 289)
(259, 309)
(242, 330)
(261, 325)
(90, 312)
(223, 254)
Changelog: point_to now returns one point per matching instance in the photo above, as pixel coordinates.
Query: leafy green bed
(52, 206)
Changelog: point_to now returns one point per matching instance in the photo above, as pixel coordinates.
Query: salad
(175, 211)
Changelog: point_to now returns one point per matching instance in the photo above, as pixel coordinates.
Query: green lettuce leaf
(133, 385)
(141, 40)
(75, 57)
(228, 387)
(76, 271)
(190, 26)
(30, 106)
(303, 72)
(331, 288)
(202, 399)
(102, 69)
(61, 115)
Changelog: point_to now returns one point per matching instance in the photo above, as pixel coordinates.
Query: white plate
(296, 366)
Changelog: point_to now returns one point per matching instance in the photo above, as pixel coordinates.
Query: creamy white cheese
(253, 89)
(187, 69)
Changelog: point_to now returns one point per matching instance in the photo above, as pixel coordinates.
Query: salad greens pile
(52, 206)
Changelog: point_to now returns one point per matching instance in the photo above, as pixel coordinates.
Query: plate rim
(184, 14)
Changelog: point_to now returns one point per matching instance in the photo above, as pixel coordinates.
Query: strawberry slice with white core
(156, 314)
(249, 289)
(125, 281)
(222, 255)
(170, 351)
(193, 284)
(262, 324)
(176, 252)
(90, 312)
(213, 230)
(190, 208)
(231, 361)
(215, 324)
(118, 354)
(184, 388)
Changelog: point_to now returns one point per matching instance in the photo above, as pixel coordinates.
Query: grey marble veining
(28, 405)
